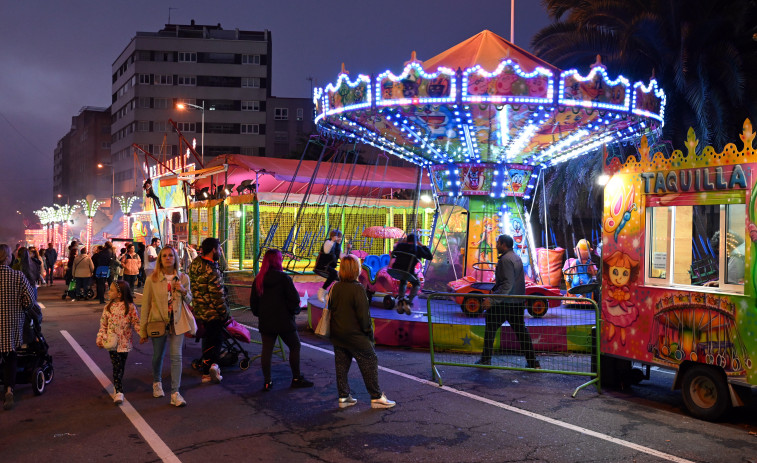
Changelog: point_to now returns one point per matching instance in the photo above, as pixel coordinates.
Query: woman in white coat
(165, 289)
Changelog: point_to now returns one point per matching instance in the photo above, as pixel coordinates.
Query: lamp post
(113, 183)
(202, 125)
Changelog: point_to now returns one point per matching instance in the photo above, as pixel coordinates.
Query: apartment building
(290, 124)
(76, 157)
(223, 75)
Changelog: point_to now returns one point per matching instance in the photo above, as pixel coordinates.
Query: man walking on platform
(509, 280)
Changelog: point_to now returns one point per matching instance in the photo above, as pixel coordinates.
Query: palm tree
(703, 54)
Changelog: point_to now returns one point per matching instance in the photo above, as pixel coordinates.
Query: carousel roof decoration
(487, 101)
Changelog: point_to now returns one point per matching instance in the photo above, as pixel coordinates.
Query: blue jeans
(175, 341)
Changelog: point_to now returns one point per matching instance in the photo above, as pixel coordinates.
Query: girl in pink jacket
(119, 318)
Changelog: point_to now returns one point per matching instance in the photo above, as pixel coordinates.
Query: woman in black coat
(352, 335)
(274, 300)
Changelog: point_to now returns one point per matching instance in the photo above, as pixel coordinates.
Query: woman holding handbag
(352, 335)
(274, 300)
(165, 319)
(118, 319)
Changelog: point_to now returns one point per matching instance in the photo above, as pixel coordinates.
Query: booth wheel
(388, 302)
(244, 363)
(705, 392)
(38, 381)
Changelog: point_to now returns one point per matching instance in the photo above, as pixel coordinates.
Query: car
(473, 306)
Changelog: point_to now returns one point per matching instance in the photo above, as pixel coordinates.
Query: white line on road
(151, 437)
(562, 424)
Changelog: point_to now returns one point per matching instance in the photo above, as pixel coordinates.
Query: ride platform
(561, 329)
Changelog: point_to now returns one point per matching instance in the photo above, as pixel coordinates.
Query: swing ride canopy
(487, 101)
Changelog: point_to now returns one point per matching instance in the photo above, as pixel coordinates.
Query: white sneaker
(157, 390)
(215, 373)
(322, 295)
(382, 402)
(118, 399)
(348, 401)
(177, 400)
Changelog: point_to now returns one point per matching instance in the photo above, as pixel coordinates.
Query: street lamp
(113, 182)
(183, 106)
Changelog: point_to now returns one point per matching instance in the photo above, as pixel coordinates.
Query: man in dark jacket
(210, 306)
(406, 256)
(102, 258)
(51, 257)
(509, 280)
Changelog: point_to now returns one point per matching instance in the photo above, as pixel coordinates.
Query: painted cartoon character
(621, 206)
(484, 246)
(618, 311)
(520, 247)
(473, 177)
(138, 231)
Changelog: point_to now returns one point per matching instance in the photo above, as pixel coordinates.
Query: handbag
(111, 341)
(187, 323)
(323, 328)
(156, 329)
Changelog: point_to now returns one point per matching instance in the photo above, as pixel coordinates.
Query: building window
(250, 82)
(144, 79)
(251, 59)
(160, 103)
(187, 57)
(685, 246)
(247, 151)
(187, 80)
(159, 126)
(300, 114)
(144, 102)
(143, 126)
(250, 129)
(163, 79)
(186, 126)
(281, 114)
(251, 105)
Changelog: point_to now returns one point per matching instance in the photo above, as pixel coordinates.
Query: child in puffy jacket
(118, 320)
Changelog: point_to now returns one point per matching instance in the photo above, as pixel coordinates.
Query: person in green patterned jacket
(209, 305)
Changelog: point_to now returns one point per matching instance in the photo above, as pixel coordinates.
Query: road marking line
(562, 424)
(151, 437)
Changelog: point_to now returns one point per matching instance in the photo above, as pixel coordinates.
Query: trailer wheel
(388, 302)
(705, 392)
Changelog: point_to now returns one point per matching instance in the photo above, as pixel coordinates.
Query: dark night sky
(56, 58)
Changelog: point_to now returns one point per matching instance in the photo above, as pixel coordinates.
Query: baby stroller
(35, 365)
(83, 294)
(231, 347)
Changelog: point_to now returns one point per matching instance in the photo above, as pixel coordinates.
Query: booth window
(685, 246)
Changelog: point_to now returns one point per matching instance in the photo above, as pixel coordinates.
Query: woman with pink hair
(274, 300)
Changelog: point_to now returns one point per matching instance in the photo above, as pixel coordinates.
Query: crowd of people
(183, 290)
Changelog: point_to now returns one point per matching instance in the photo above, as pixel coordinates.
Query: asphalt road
(478, 416)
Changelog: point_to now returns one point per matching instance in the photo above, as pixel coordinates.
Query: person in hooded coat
(274, 300)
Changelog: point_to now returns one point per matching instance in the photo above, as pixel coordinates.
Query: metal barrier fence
(505, 336)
